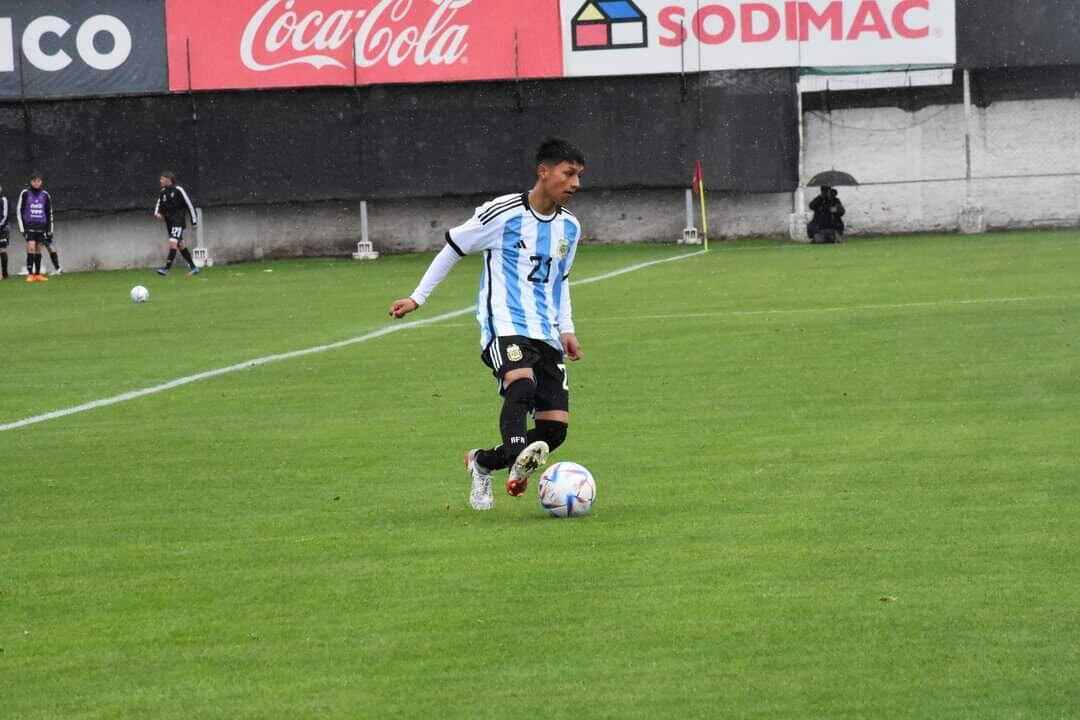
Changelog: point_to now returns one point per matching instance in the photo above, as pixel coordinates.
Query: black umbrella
(832, 178)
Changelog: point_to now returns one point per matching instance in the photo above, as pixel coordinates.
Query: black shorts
(176, 233)
(515, 352)
(38, 236)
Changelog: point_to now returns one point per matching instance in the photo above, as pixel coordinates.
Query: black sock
(187, 258)
(513, 425)
(492, 459)
(550, 431)
(55, 257)
(3, 264)
(30, 263)
(169, 260)
(37, 263)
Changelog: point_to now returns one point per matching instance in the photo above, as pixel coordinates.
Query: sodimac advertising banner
(296, 43)
(64, 48)
(635, 37)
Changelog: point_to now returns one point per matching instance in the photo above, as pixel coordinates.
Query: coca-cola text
(282, 37)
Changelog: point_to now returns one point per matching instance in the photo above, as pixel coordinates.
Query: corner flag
(699, 187)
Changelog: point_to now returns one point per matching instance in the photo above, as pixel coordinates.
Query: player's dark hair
(36, 176)
(168, 174)
(557, 150)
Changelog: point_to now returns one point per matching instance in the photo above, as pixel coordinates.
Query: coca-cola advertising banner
(621, 37)
(294, 43)
(63, 48)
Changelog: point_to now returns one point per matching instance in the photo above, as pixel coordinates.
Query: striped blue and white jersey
(524, 288)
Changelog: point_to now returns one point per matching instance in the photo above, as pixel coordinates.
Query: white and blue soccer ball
(139, 294)
(567, 490)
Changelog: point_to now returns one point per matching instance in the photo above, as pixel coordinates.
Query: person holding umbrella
(827, 222)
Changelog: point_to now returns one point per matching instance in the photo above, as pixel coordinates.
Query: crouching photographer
(827, 225)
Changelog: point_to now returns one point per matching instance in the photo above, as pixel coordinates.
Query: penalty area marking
(268, 359)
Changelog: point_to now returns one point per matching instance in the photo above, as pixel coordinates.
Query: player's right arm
(475, 235)
(157, 207)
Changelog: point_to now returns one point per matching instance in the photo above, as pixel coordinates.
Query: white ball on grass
(567, 490)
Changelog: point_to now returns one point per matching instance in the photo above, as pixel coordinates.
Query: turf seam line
(279, 357)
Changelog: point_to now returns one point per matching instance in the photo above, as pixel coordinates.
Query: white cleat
(56, 272)
(480, 496)
(531, 459)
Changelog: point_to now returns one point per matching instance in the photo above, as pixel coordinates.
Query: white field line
(266, 360)
(808, 310)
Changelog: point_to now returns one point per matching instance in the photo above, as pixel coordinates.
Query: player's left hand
(571, 346)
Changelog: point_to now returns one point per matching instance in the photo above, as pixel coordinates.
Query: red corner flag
(699, 177)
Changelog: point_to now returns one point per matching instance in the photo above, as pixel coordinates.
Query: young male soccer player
(35, 215)
(529, 241)
(5, 234)
(173, 206)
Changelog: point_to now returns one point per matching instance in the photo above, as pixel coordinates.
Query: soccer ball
(139, 294)
(567, 490)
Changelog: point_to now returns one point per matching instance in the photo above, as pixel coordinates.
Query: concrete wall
(1025, 164)
(1025, 161)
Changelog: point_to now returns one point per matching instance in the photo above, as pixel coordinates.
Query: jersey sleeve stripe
(453, 245)
(190, 207)
(496, 216)
(495, 210)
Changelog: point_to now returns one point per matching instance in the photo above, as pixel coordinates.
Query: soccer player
(5, 234)
(35, 215)
(529, 241)
(173, 206)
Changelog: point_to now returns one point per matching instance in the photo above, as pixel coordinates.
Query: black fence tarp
(987, 87)
(1011, 33)
(406, 141)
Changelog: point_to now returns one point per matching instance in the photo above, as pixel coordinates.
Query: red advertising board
(294, 43)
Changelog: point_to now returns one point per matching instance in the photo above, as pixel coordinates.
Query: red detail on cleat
(517, 488)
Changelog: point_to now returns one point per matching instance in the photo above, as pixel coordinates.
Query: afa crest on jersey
(513, 353)
(564, 248)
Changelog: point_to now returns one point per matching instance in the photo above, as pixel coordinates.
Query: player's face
(165, 182)
(36, 183)
(561, 181)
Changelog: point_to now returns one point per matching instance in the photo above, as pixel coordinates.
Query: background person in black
(5, 234)
(173, 206)
(34, 211)
(827, 226)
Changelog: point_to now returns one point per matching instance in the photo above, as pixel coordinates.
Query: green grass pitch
(834, 482)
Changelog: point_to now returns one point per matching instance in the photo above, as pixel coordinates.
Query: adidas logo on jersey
(522, 246)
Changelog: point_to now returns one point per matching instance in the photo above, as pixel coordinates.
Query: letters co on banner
(291, 43)
(635, 37)
(58, 48)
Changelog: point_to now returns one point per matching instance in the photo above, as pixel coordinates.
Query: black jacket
(824, 217)
(174, 205)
